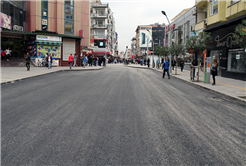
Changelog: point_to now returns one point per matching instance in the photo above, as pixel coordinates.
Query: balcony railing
(99, 5)
(103, 26)
(99, 15)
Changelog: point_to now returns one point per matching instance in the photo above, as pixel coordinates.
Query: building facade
(220, 18)
(102, 32)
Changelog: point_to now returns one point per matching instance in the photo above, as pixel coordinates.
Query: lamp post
(170, 56)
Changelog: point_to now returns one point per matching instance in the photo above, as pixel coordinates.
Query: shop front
(231, 58)
(44, 46)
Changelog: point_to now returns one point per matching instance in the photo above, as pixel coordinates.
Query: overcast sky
(129, 14)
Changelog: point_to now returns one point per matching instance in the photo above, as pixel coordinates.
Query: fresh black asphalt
(118, 116)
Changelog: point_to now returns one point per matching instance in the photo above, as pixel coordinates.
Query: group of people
(85, 60)
(165, 68)
(6, 54)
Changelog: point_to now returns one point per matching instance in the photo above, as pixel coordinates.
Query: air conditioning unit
(194, 11)
(192, 28)
(205, 21)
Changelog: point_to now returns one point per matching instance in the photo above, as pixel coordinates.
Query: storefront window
(236, 60)
(218, 55)
(214, 7)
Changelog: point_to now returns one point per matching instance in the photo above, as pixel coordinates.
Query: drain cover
(218, 99)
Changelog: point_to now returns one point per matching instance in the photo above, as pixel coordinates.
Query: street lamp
(170, 69)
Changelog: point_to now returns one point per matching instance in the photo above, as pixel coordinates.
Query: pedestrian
(148, 62)
(103, 60)
(49, 60)
(81, 59)
(75, 60)
(194, 64)
(70, 60)
(28, 59)
(84, 61)
(214, 70)
(182, 64)
(7, 53)
(165, 68)
(173, 63)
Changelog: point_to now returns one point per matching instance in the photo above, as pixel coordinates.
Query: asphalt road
(118, 116)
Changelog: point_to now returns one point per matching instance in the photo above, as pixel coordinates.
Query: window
(69, 17)
(234, 1)
(68, 26)
(214, 7)
(17, 13)
(44, 4)
(1, 6)
(6, 8)
(69, 2)
(11, 10)
(21, 15)
(236, 60)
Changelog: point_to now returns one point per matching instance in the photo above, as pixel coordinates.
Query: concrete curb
(7, 82)
(241, 101)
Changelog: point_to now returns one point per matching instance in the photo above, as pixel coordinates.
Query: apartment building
(102, 32)
(220, 18)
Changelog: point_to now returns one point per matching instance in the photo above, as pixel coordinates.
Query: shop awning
(48, 42)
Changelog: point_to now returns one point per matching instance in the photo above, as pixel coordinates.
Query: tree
(177, 49)
(240, 34)
(198, 44)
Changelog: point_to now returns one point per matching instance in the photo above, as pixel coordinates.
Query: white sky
(129, 14)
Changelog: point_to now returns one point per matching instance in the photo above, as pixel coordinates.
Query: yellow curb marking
(220, 83)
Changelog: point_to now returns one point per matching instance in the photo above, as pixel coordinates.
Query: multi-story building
(13, 19)
(102, 32)
(60, 28)
(181, 28)
(134, 46)
(157, 35)
(220, 18)
(143, 40)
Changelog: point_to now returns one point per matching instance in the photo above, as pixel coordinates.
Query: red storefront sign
(81, 33)
(168, 28)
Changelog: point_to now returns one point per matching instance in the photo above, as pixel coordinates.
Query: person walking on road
(70, 60)
(173, 63)
(28, 59)
(75, 60)
(165, 68)
(49, 60)
(214, 70)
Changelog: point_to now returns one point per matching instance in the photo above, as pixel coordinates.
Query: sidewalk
(12, 74)
(232, 88)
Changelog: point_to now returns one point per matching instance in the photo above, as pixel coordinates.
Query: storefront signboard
(48, 38)
(5, 21)
(8, 35)
(17, 28)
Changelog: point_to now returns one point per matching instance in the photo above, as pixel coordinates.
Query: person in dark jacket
(148, 62)
(194, 63)
(182, 64)
(165, 68)
(173, 63)
(49, 60)
(214, 70)
(28, 60)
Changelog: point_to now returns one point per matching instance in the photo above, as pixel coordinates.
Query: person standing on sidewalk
(148, 62)
(49, 60)
(8, 53)
(173, 63)
(28, 59)
(194, 64)
(70, 60)
(75, 60)
(84, 61)
(182, 65)
(214, 70)
(165, 68)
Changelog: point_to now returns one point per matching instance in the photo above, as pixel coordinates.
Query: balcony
(200, 25)
(99, 26)
(96, 5)
(235, 10)
(201, 4)
(98, 15)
